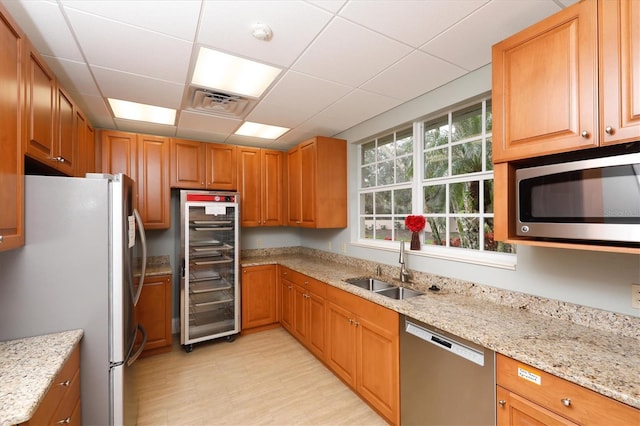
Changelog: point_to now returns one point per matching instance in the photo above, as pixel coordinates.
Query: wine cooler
(209, 288)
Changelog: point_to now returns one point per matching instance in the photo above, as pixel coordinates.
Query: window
(453, 189)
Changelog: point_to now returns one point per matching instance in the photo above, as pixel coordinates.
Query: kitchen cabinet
(202, 165)
(317, 184)
(61, 403)
(65, 137)
(260, 186)
(12, 41)
(307, 310)
(85, 134)
(546, 81)
(153, 312)
(143, 158)
(526, 395)
(259, 307)
(363, 349)
(285, 300)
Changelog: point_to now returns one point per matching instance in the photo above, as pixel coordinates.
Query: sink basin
(399, 293)
(370, 284)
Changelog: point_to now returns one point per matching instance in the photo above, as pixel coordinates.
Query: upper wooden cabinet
(260, 186)
(317, 183)
(11, 120)
(145, 159)
(546, 81)
(202, 165)
(85, 142)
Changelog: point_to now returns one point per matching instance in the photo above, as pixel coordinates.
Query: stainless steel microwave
(595, 199)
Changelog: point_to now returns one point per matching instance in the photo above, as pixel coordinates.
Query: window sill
(490, 259)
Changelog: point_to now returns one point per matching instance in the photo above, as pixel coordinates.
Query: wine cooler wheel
(188, 348)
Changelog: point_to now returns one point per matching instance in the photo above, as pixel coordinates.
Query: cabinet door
(286, 304)
(154, 196)
(119, 153)
(619, 71)
(340, 353)
(271, 185)
(221, 166)
(316, 324)
(153, 311)
(40, 108)
(187, 164)
(258, 296)
(85, 145)
(294, 192)
(300, 313)
(308, 171)
(65, 140)
(513, 410)
(11, 118)
(249, 184)
(545, 86)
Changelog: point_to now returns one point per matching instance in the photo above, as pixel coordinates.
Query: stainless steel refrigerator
(209, 252)
(76, 272)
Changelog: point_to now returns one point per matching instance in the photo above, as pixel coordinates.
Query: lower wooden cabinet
(61, 403)
(153, 312)
(307, 306)
(528, 396)
(258, 297)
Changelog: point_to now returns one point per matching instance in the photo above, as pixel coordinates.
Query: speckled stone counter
(156, 266)
(27, 369)
(596, 349)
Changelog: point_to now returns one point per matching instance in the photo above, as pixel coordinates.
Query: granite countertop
(27, 369)
(600, 360)
(156, 266)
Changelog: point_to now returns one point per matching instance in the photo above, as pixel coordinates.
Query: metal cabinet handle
(289, 287)
(64, 421)
(350, 321)
(502, 403)
(65, 383)
(566, 402)
(59, 159)
(608, 130)
(356, 323)
(1, 238)
(584, 134)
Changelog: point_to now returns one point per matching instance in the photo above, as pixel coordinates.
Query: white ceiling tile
(349, 54)
(278, 115)
(118, 46)
(97, 110)
(412, 76)
(415, 22)
(332, 6)
(135, 88)
(468, 43)
(226, 25)
(142, 127)
(205, 122)
(175, 18)
(73, 76)
(249, 141)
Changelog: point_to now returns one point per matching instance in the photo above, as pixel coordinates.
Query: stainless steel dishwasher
(444, 380)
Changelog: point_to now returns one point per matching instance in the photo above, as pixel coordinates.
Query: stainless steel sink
(370, 284)
(399, 293)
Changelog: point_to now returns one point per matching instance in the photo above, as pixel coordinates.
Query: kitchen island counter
(27, 369)
(547, 334)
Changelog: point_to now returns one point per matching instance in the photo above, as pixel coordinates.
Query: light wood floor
(266, 378)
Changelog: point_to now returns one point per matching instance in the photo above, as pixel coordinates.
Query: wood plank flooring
(266, 378)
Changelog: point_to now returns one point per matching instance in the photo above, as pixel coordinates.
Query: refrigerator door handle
(135, 356)
(143, 242)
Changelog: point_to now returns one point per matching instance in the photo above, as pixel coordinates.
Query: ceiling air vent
(220, 103)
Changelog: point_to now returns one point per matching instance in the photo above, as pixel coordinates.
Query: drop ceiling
(343, 61)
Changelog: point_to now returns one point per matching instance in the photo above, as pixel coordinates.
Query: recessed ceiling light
(142, 112)
(217, 70)
(263, 131)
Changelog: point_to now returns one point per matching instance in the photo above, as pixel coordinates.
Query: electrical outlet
(635, 296)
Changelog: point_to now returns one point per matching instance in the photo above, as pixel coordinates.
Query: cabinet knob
(356, 323)
(585, 134)
(502, 403)
(65, 383)
(608, 130)
(566, 402)
(1, 237)
(64, 421)
(59, 159)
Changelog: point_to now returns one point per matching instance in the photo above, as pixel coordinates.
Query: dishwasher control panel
(445, 343)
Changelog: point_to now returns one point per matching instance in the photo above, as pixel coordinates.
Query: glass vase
(415, 241)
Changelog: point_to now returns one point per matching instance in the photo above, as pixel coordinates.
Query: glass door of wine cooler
(210, 286)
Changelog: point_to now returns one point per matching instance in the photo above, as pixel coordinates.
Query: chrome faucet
(404, 272)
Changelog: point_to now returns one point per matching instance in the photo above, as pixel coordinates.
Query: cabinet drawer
(64, 413)
(303, 281)
(565, 398)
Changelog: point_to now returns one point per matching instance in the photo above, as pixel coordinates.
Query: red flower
(414, 223)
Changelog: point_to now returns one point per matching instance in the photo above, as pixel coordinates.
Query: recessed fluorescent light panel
(142, 112)
(263, 131)
(217, 70)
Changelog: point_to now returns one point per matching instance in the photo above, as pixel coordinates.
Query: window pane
(383, 202)
(435, 199)
(491, 245)
(366, 227)
(368, 176)
(402, 233)
(435, 231)
(489, 154)
(465, 233)
(466, 123)
(366, 203)
(368, 153)
(384, 225)
(436, 163)
(464, 197)
(466, 158)
(385, 148)
(489, 121)
(436, 133)
(402, 201)
(404, 169)
(385, 173)
(488, 196)
(404, 142)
